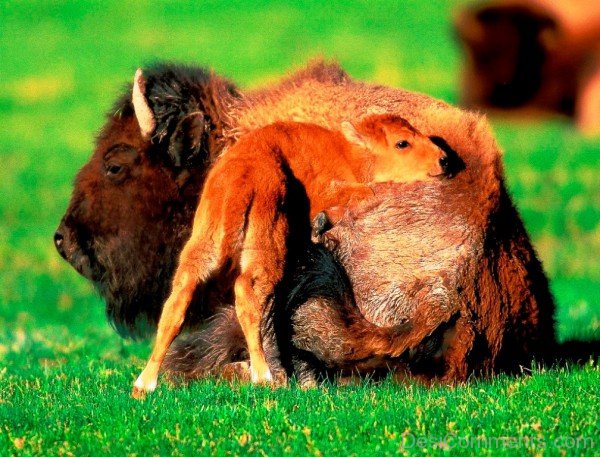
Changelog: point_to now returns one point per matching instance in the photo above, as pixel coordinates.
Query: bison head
(133, 202)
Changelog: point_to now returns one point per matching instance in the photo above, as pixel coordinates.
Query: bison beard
(461, 267)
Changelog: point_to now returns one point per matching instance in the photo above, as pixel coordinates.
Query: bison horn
(143, 113)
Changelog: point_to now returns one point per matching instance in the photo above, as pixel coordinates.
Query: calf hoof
(262, 377)
(277, 378)
(137, 393)
(141, 388)
(320, 224)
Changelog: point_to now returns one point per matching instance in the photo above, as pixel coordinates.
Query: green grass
(65, 375)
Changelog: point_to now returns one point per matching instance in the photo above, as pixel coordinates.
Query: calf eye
(402, 144)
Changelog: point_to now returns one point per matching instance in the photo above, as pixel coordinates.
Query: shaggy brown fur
(242, 220)
(134, 201)
(126, 234)
(456, 259)
(481, 317)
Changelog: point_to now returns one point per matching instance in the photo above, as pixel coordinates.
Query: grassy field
(65, 375)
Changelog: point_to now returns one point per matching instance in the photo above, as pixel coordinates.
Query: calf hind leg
(261, 268)
(251, 295)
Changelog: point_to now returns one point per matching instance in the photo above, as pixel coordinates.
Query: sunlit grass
(65, 375)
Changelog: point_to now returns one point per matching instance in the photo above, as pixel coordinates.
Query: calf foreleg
(194, 258)
(338, 196)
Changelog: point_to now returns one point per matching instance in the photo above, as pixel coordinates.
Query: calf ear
(189, 142)
(352, 134)
(143, 113)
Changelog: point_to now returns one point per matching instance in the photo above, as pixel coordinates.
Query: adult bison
(454, 258)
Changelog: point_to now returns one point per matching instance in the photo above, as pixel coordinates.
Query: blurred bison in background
(464, 271)
(539, 54)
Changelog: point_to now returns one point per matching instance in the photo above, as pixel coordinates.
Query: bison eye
(402, 144)
(113, 169)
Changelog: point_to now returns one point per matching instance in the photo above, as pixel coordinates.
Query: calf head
(400, 152)
(133, 202)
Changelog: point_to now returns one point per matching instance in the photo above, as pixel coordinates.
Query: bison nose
(59, 242)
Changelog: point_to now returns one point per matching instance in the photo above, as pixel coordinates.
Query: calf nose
(59, 242)
(444, 163)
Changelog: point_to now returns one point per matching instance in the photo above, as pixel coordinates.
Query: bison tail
(207, 351)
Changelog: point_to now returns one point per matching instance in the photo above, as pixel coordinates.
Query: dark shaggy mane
(175, 91)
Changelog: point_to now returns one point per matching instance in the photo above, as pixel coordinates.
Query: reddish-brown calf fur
(243, 221)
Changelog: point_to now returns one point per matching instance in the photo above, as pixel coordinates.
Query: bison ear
(352, 134)
(189, 142)
(143, 112)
